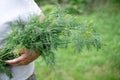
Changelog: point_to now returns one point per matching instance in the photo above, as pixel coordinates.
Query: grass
(89, 65)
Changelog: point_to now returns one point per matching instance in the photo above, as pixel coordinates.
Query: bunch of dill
(57, 30)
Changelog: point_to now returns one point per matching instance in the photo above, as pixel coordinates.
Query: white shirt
(11, 10)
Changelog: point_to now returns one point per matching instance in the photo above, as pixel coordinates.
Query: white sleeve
(34, 8)
(30, 8)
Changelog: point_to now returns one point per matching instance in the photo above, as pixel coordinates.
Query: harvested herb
(58, 30)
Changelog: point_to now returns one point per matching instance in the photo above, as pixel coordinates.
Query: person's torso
(11, 10)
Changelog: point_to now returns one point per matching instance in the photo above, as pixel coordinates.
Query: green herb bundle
(57, 30)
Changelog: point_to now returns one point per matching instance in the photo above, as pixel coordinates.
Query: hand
(25, 58)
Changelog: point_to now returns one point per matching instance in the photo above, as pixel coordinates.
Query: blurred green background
(103, 64)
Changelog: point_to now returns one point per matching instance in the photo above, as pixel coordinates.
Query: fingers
(17, 60)
(24, 59)
(28, 60)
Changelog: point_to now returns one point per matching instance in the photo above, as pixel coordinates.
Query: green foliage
(47, 9)
(72, 6)
(57, 30)
(77, 6)
(90, 65)
(44, 2)
(116, 1)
